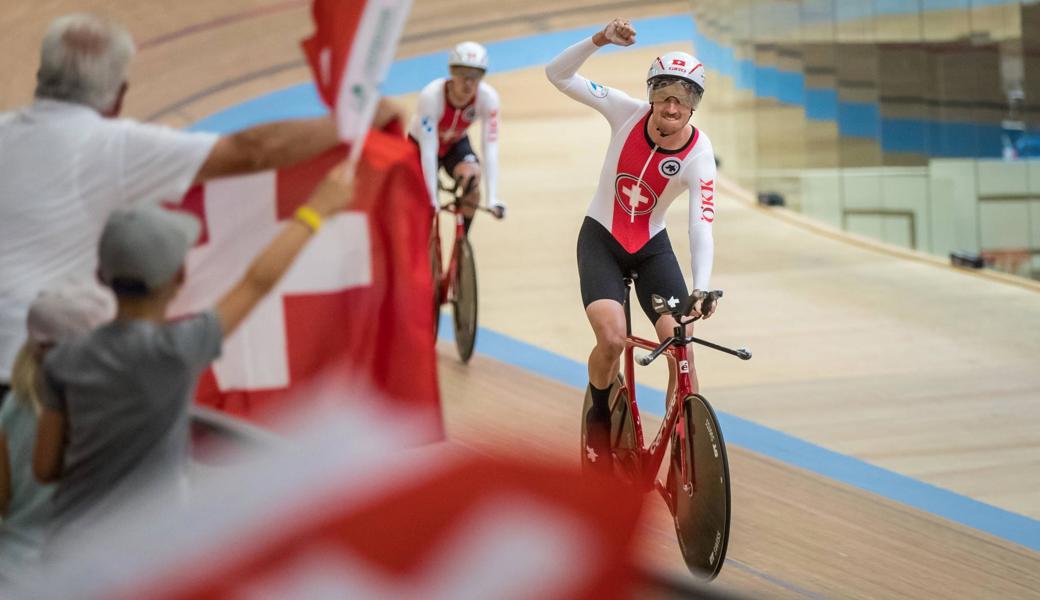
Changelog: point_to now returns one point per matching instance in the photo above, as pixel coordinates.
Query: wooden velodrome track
(890, 358)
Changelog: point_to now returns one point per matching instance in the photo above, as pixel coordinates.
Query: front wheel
(465, 302)
(702, 501)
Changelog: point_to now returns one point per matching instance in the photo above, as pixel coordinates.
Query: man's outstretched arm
(279, 144)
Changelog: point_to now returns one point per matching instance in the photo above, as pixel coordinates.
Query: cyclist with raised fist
(655, 155)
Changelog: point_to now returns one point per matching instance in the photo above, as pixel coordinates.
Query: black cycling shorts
(460, 152)
(603, 264)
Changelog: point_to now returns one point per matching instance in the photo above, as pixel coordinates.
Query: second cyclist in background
(447, 107)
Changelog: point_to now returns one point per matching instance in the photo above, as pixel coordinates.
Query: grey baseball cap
(145, 246)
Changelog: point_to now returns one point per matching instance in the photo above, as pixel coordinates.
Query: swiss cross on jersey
(635, 197)
(453, 125)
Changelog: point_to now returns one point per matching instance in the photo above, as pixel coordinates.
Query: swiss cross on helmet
(469, 54)
(674, 68)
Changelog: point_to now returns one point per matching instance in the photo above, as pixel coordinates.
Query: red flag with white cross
(354, 302)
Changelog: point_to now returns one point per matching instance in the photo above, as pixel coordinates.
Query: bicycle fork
(681, 475)
(676, 431)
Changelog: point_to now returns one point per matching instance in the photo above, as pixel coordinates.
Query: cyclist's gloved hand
(695, 311)
(708, 306)
(704, 306)
(498, 209)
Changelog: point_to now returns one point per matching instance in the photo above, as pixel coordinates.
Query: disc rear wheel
(702, 504)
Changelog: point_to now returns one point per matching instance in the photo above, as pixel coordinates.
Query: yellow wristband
(309, 217)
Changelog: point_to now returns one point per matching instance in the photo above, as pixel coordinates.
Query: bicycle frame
(675, 413)
(446, 286)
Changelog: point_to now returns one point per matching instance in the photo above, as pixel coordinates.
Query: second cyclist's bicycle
(456, 283)
(696, 488)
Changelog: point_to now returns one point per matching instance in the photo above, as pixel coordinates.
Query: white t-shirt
(639, 180)
(63, 169)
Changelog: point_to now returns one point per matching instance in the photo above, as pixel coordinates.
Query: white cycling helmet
(672, 68)
(469, 54)
(677, 64)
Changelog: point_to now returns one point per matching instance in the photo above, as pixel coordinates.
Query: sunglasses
(685, 92)
(467, 73)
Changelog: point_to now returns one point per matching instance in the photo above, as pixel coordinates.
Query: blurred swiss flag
(342, 511)
(470, 527)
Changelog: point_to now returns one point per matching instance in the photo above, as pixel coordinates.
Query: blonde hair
(61, 311)
(25, 375)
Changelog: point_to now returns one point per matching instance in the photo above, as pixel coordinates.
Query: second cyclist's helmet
(469, 54)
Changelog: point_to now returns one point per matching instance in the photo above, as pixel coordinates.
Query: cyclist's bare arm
(428, 113)
(701, 177)
(488, 108)
(562, 71)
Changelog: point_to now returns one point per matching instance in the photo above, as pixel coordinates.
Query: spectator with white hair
(66, 162)
(61, 312)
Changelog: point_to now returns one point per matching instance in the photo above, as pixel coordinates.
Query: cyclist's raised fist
(619, 32)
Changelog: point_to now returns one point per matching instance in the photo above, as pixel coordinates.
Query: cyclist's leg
(602, 292)
(462, 164)
(607, 318)
(469, 173)
(659, 273)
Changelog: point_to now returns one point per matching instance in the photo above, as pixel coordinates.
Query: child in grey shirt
(116, 409)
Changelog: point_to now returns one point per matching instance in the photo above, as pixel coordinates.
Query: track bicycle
(696, 488)
(456, 284)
